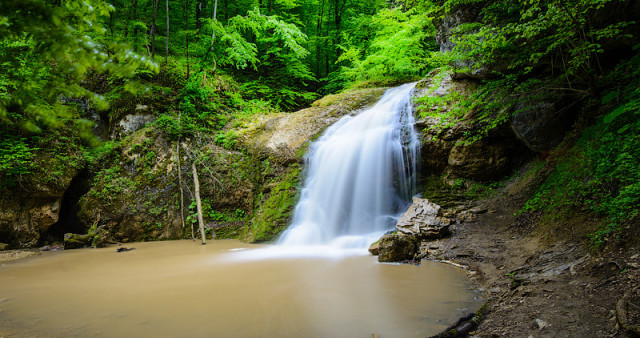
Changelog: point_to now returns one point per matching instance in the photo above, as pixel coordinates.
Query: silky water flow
(360, 175)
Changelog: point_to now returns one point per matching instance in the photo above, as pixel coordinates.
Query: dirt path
(537, 284)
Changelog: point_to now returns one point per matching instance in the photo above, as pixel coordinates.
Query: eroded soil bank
(541, 277)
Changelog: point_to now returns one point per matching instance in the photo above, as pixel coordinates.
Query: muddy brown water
(183, 289)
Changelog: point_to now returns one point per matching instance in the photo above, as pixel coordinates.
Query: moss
(274, 211)
(352, 99)
(449, 193)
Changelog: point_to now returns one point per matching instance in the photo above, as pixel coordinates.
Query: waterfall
(360, 175)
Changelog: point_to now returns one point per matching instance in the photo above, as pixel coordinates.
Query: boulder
(397, 248)
(76, 241)
(374, 248)
(424, 220)
(539, 125)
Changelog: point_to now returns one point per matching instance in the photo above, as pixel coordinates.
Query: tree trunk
(134, 16)
(166, 48)
(318, 44)
(196, 184)
(215, 14)
(198, 17)
(153, 29)
(187, 37)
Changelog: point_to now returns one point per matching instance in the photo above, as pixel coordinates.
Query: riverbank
(541, 278)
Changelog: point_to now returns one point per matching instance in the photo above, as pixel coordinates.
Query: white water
(361, 174)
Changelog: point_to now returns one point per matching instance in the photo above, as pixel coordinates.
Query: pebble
(541, 323)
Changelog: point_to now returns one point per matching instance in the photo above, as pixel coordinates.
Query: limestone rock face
(25, 216)
(446, 150)
(424, 220)
(282, 136)
(449, 26)
(479, 160)
(132, 122)
(397, 248)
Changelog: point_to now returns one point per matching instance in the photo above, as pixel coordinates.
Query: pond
(227, 289)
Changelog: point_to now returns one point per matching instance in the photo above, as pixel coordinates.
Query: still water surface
(183, 289)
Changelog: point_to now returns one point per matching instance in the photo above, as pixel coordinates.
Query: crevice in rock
(68, 220)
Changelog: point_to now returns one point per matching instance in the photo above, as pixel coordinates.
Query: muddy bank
(540, 278)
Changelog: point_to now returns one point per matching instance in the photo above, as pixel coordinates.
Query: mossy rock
(397, 248)
(275, 208)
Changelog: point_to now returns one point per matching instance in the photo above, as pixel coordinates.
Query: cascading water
(360, 175)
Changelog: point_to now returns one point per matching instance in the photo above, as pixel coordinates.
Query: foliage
(522, 37)
(397, 50)
(46, 50)
(16, 156)
(601, 174)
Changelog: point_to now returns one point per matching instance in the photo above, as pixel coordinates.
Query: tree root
(465, 324)
(622, 309)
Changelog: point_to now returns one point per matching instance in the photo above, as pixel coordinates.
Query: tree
(46, 51)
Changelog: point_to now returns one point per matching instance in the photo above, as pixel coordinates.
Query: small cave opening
(68, 220)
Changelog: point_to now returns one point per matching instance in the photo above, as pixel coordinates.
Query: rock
(541, 323)
(449, 26)
(4, 246)
(445, 149)
(397, 248)
(540, 125)
(283, 137)
(424, 219)
(132, 122)
(480, 160)
(374, 248)
(76, 241)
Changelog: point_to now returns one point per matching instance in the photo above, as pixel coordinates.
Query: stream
(181, 288)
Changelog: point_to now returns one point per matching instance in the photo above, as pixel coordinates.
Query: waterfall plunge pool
(183, 289)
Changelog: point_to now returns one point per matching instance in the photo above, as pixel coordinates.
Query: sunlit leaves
(398, 49)
(47, 50)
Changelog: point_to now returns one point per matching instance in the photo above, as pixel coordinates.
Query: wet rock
(397, 248)
(424, 219)
(374, 248)
(445, 149)
(283, 137)
(76, 241)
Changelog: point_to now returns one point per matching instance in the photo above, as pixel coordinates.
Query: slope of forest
(108, 107)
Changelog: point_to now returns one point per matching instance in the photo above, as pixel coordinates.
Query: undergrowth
(601, 173)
